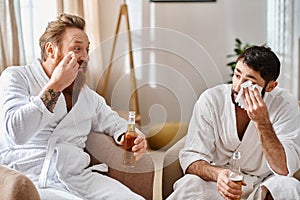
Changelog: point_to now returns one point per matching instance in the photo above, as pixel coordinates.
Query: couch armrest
(139, 179)
(171, 168)
(15, 186)
(297, 175)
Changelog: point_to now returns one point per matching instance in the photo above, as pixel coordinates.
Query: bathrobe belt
(44, 173)
(52, 143)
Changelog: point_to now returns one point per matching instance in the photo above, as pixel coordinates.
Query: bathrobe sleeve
(108, 121)
(24, 115)
(285, 118)
(200, 141)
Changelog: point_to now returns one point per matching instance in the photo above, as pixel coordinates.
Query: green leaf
(231, 55)
(231, 63)
(238, 41)
(238, 51)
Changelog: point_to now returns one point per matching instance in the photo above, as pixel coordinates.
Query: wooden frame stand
(134, 103)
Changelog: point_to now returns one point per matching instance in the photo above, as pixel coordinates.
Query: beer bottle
(129, 137)
(236, 175)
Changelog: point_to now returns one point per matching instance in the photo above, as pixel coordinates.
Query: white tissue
(248, 84)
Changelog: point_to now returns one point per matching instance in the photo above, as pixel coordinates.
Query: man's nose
(238, 84)
(84, 56)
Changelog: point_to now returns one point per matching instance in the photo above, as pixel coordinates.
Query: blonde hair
(55, 30)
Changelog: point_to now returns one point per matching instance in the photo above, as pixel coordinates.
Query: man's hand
(272, 147)
(256, 107)
(140, 145)
(227, 188)
(63, 75)
(65, 72)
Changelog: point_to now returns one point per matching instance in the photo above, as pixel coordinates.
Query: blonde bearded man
(48, 113)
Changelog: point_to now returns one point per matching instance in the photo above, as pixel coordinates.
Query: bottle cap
(236, 155)
(131, 113)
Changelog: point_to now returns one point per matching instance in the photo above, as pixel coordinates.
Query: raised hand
(63, 75)
(65, 72)
(256, 107)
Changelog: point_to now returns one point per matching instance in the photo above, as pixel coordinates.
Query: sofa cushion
(15, 186)
(163, 136)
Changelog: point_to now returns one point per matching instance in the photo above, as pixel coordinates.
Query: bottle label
(131, 127)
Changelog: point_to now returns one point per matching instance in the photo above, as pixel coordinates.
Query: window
(283, 38)
(33, 17)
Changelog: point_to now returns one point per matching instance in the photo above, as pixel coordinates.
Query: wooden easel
(134, 103)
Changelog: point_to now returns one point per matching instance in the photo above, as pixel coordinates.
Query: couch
(172, 170)
(102, 149)
(163, 136)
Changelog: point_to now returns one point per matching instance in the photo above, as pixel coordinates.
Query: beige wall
(181, 47)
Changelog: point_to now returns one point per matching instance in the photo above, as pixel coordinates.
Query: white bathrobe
(212, 134)
(48, 147)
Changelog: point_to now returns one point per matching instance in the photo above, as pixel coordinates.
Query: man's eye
(77, 48)
(237, 75)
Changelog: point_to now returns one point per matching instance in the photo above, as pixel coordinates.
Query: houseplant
(238, 50)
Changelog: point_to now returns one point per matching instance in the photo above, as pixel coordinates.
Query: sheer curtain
(89, 10)
(10, 38)
(283, 38)
(21, 24)
(70, 6)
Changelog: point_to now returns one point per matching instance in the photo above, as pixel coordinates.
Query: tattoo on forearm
(50, 98)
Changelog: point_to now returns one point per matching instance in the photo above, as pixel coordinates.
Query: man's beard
(234, 93)
(80, 79)
(75, 87)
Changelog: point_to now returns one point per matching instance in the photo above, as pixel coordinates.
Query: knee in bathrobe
(282, 185)
(118, 192)
(51, 193)
(193, 187)
(115, 195)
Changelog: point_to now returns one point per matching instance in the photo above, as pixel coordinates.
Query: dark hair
(263, 60)
(55, 30)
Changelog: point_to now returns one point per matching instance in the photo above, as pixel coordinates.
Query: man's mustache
(83, 64)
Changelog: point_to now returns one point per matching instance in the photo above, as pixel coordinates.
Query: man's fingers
(244, 183)
(140, 146)
(139, 139)
(227, 188)
(68, 57)
(73, 62)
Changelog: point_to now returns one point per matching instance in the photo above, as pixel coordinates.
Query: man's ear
(271, 85)
(50, 50)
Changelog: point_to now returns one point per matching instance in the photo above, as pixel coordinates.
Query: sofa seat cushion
(14, 185)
